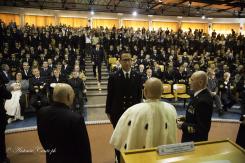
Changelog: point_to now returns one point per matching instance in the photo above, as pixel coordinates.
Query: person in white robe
(148, 124)
(12, 106)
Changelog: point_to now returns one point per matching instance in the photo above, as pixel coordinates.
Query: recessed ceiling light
(134, 13)
(180, 17)
(92, 12)
(203, 17)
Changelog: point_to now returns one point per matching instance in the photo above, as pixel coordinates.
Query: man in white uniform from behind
(148, 124)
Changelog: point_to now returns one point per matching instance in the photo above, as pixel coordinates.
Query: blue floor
(234, 114)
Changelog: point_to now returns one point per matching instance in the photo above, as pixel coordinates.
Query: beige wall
(120, 17)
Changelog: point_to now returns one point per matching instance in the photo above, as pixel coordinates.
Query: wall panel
(136, 24)
(39, 21)
(225, 28)
(186, 25)
(73, 22)
(7, 18)
(165, 25)
(109, 23)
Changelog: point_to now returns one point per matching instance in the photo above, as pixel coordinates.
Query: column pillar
(90, 22)
(120, 22)
(210, 28)
(241, 30)
(56, 20)
(22, 19)
(150, 24)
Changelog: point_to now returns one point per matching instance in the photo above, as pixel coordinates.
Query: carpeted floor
(95, 114)
(24, 147)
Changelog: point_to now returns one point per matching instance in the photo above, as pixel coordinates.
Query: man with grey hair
(197, 122)
(61, 131)
(146, 124)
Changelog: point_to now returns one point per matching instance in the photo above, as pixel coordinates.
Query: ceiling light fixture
(203, 17)
(134, 13)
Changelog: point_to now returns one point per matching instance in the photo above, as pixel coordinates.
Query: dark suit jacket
(37, 82)
(45, 73)
(63, 131)
(26, 76)
(122, 94)
(78, 86)
(241, 134)
(4, 94)
(97, 56)
(198, 118)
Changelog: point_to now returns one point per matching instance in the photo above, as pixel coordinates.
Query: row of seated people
(39, 86)
(36, 91)
(172, 49)
(176, 51)
(225, 91)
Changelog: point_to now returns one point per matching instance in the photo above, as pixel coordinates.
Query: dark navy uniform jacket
(198, 118)
(122, 94)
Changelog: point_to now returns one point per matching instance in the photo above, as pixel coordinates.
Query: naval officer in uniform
(197, 122)
(124, 90)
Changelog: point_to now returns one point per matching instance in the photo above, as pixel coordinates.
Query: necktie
(127, 76)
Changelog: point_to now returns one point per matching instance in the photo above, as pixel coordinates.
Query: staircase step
(90, 82)
(96, 88)
(95, 106)
(91, 70)
(96, 100)
(98, 93)
(93, 78)
(88, 73)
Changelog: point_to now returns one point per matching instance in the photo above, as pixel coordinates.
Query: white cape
(12, 106)
(146, 125)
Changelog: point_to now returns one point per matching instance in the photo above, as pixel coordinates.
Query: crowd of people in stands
(36, 57)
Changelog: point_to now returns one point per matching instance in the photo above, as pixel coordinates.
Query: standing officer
(197, 122)
(97, 58)
(124, 90)
(213, 88)
(4, 94)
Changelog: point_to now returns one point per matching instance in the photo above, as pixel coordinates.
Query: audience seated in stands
(162, 50)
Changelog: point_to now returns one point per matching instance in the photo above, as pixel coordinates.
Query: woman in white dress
(12, 105)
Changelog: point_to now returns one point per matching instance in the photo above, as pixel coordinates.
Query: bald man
(197, 122)
(62, 132)
(146, 124)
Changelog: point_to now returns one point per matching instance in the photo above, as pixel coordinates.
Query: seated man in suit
(61, 131)
(147, 124)
(26, 71)
(38, 90)
(46, 70)
(56, 78)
